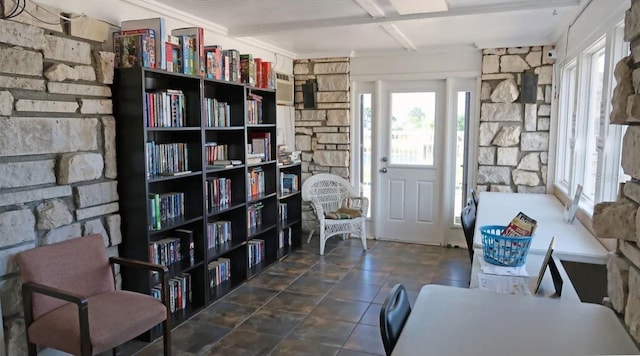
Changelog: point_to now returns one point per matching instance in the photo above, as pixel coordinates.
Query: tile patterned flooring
(309, 304)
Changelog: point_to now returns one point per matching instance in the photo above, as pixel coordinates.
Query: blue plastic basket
(500, 250)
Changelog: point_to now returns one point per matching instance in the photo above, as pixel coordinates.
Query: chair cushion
(343, 213)
(114, 318)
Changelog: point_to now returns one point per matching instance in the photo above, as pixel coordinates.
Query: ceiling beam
(265, 29)
(371, 6)
(399, 37)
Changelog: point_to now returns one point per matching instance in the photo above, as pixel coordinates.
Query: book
(186, 239)
(134, 49)
(158, 25)
(196, 39)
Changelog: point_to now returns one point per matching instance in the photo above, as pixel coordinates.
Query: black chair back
(468, 219)
(474, 196)
(393, 315)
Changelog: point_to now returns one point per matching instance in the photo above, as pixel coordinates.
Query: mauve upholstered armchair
(71, 304)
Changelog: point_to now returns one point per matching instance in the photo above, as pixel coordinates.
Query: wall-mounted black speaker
(529, 88)
(309, 90)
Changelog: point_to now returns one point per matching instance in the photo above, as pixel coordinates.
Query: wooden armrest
(139, 264)
(31, 287)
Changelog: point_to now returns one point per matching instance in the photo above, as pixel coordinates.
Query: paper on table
(504, 284)
(488, 268)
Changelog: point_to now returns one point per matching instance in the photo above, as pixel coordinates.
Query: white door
(409, 166)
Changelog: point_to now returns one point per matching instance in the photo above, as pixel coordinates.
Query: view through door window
(365, 147)
(412, 128)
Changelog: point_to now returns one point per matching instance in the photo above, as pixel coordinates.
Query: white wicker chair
(328, 193)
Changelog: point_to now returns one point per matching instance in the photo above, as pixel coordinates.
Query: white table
(534, 262)
(458, 321)
(573, 241)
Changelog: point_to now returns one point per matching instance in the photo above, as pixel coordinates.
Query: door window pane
(365, 146)
(412, 128)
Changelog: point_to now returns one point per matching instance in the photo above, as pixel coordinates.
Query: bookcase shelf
(206, 124)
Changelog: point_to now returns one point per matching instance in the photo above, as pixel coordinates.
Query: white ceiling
(311, 28)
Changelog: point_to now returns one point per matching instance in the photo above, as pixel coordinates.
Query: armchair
(71, 304)
(338, 208)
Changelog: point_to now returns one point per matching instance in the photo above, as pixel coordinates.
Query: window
(365, 146)
(463, 101)
(413, 118)
(592, 125)
(566, 123)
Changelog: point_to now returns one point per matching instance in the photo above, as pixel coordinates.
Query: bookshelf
(289, 208)
(199, 184)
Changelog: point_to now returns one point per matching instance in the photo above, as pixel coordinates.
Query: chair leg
(32, 349)
(114, 351)
(166, 337)
(363, 235)
(311, 232)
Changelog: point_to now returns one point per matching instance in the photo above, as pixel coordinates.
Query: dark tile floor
(309, 304)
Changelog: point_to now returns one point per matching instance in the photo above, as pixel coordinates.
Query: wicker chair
(327, 193)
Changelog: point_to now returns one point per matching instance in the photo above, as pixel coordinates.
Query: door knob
(383, 159)
(383, 170)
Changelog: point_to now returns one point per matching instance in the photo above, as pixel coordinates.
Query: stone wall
(57, 144)
(514, 137)
(322, 133)
(620, 219)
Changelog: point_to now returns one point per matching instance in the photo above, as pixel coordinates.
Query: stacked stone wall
(57, 144)
(514, 137)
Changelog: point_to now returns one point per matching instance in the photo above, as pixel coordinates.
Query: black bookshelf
(191, 133)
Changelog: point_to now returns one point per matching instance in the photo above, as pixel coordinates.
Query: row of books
(165, 108)
(260, 144)
(288, 183)
(146, 42)
(256, 251)
(217, 113)
(163, 207)
(254, 215)
(255, 182)
(284, 238)
(218, 233)
(166, 251)
(214, 152)
(179, 290)
(219, 271)
(254, 109)
(167, 158)
(282, 211)
(218, 192)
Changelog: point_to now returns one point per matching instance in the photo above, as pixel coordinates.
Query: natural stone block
(501, 188)
(490, 64)
(534, 141)
(544, 110)
(518, 50)
(16, 227)
(487, 156)
(78, 167)
(333, 138)
(6, 103)
(631, 251)
(45, 13)
(78, 89)
(630, 151)
(544, 157)
(298, 97)
(530, 162)
(109, 140)
(633, 110)
(34, 195)
(303, 143)
(540, 94)
(632, 191)
(325, 129)
(60, 72)
(338, 117)
(7, 261)
(541, 189)
(333, 97)
(20, 61)
(488, 131)
(333, 105)
(104, 66)
(96, 106)
(632, 22)
(632, 314)
(344, 129)
(96, 194)
(501, 112)
(494, 175)
(306, 157)
(301, 68)
(333, 82)
(635, 79)
(23, 174)
(505, 92)
(330, 59)
(546, 59)
(485, 92)
(331, 158)
(534, 59)
(22, 83)
(313, 115)
(65, 49)
(304, 131)
(113, 225)
(309, 123)
(92, 29)
(14, 321)
(85, 73)
(547, 94)
(52, 214)
(498, 51)
(46, 106)
(545, 75)
(87, 213)
(544, 124)
(508, 136)
(618, 282)
(513, 64)
(507, 156)
(62, 233)
(500, 76)
(340, 171)
(530, 117)
(525, 178)
(95, 227)
(331, 68)
(17, 34)
(615, 220)
(482, 188)
(544, 171)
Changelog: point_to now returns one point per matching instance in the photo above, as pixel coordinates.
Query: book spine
(200, 52)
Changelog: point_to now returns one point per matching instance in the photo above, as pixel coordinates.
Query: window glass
(412, 128)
